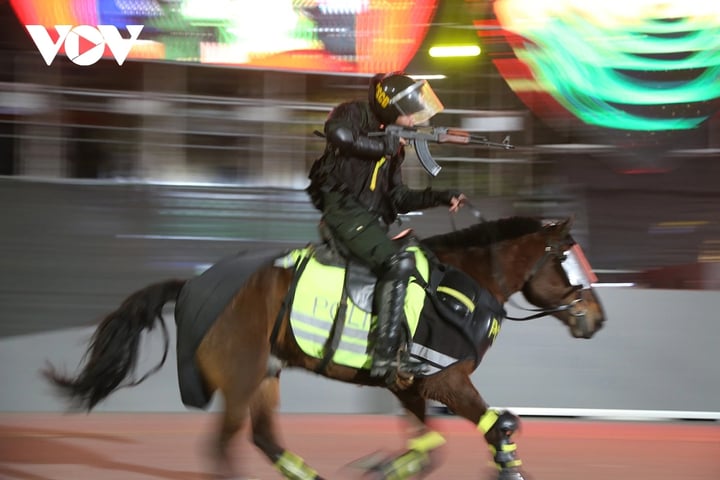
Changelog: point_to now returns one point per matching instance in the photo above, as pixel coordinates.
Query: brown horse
(241, 354)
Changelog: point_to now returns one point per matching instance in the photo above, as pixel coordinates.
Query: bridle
(553, 250)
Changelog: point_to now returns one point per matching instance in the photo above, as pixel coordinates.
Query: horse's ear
(565, 225)
(561, 227)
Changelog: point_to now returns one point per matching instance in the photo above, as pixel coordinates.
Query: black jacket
(374, 181)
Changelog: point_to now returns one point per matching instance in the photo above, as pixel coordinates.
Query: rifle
(420, 136)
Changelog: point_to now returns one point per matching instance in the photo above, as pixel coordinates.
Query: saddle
(359, 279)
(448, 314)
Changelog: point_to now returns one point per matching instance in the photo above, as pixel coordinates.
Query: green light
(454, 51)
(597, 58)
(584, 77)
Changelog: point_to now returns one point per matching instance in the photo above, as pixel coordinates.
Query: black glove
(446, 196)
(391, 143)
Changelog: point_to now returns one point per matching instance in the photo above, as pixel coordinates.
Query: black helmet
(395, 94)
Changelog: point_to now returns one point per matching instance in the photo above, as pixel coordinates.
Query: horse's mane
(484, 234)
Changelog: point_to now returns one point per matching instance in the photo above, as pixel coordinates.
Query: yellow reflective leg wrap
(503, 454)
(406, 465)
(487, 421)
(509, 447)
(424, 443)
(507, 453)
(294, 467)
(414, 461)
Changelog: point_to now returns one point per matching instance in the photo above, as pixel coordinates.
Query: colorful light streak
(596, 58)
(353, 36)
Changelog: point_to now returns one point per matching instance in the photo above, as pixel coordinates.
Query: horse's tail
(113, 351)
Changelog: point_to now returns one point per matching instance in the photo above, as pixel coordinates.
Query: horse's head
(521, 254)
(559, 281)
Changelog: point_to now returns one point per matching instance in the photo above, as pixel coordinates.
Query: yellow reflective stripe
(494, 329)
(459, 295)
(406, 465)
(503, 448)
(512, 463)
(292, 464)
(378, 164)
(427, 442)
(487, 421)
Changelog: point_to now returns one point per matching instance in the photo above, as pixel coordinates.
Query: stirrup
(401, 366)
(382, 367)
(411, 367)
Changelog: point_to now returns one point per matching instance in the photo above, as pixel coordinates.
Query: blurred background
(199, 144)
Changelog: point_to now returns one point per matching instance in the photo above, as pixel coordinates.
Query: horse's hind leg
(236, 399)
(233, 419)
(262, 411)
(236, 368)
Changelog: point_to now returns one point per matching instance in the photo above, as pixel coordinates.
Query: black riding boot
(389, 357)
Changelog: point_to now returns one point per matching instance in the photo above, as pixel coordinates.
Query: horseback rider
(357, 185)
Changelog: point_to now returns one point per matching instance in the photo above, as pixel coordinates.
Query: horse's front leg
(423, 444)
(456, 391)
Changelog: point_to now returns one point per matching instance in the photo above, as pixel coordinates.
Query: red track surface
(103, 446)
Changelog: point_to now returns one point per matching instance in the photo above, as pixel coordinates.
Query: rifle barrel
(443, 135)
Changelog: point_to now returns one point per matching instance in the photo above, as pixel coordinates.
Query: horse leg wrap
(503, 448)
(293, 467)
(426, 442)
(414, 461)
(403, 466)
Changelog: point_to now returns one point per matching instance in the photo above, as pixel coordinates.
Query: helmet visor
(418, 101)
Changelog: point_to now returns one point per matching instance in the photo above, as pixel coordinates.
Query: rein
(542, 312)
(473, 210)
(550, 251)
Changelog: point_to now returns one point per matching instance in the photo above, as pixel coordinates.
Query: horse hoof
(510, 474)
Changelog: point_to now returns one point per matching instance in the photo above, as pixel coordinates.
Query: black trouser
(363, 234)
(358, 230)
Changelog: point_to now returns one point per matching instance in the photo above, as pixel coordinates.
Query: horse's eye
(563, 257)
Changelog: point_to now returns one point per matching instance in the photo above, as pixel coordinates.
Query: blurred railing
(163, 136)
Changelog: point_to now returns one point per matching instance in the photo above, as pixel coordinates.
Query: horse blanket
(449, 317)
